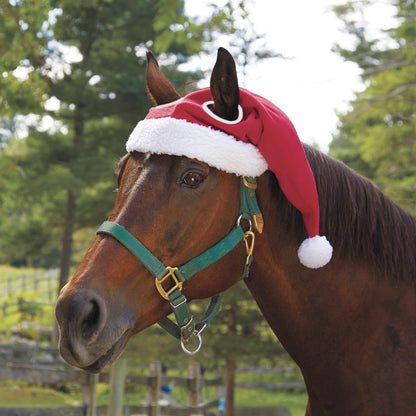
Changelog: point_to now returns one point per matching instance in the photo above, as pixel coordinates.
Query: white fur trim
(315, 252)
(181, 138)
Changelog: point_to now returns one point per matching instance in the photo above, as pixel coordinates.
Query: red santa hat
(261, 137)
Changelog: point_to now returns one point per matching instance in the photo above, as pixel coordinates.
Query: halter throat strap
(169, 280)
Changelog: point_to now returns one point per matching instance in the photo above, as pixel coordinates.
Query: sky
(315, 84)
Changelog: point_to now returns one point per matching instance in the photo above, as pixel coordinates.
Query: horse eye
(193, 179)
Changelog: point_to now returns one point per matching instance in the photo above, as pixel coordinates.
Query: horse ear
(224, 86)
(159, 88)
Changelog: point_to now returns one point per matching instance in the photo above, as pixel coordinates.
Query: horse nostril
(90, 323)
(81, 316)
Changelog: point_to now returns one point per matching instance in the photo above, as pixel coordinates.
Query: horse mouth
(108, 357)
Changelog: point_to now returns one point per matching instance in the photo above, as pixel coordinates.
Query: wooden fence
(44, 365)
(14, 292)
(288, 385)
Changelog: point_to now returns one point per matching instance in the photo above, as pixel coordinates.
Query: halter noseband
(174, 277)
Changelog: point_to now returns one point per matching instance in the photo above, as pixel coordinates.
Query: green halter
(174, 277)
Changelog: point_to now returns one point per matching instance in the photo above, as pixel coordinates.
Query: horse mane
(363, 225)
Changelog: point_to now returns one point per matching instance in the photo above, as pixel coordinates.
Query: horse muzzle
(89, 338)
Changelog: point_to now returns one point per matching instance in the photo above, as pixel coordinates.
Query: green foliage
(22, 40)
(377, 136)
(101, 94)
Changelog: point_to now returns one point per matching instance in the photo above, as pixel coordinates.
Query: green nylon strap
(213, 254)
(151, 263)
(156, 267)
(211, 311)
(248, 200)
(170, 327)
(177, 300)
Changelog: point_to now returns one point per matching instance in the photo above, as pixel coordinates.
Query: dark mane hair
(362, 224)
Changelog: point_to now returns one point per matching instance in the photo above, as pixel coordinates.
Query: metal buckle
(179, 304)
(249, 185)
(198, 332)
(171, 273)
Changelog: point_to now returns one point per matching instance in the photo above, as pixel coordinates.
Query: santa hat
(261, 137)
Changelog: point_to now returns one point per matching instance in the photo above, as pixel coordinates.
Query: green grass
(294, 401)
(24, 394)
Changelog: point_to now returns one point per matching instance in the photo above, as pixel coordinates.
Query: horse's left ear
(159, 88)
(224, 86)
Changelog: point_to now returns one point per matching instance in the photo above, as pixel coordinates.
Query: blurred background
(72, 87)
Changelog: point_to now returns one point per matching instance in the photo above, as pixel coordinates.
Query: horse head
(177, 207)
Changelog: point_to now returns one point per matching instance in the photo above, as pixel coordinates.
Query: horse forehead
(148, 168)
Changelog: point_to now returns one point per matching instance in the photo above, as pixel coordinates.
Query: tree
(377, 136)
(90, 59)
(23, 38)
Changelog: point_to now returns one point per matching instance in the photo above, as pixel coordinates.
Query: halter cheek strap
(169, 280)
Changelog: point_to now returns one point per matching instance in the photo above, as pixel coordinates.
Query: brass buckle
(178, 285)
(248, 184)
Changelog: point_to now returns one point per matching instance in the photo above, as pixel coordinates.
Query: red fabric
(268, 128)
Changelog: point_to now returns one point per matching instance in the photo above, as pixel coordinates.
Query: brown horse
(350, 326)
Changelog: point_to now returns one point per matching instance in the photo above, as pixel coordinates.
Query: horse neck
(325, 318)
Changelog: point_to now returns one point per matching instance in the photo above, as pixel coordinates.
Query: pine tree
(90, 59)
(377, 136)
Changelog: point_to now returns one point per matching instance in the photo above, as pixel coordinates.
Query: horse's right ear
(159, 88)
(224, 86)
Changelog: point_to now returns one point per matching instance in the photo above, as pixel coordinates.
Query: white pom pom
(315, 252)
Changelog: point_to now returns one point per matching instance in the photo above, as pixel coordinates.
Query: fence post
(9, 285)
(155, 370)
(89, 394)
(117, 382)
(194, 389)
(49, 286)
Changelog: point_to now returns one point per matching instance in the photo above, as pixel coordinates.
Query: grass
(295, 401)
(25, 394)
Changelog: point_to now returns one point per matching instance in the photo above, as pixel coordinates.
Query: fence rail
(14, 367)
(44, 365)
(23, 293)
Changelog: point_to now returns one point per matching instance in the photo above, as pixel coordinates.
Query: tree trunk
(230, 359)
(79, 123)
(67, 238)
(229, 388)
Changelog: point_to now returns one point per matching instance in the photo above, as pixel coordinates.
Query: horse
(350, 326)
